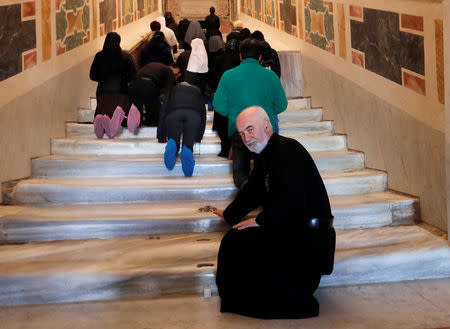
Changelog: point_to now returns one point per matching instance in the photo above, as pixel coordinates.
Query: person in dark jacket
(183, 113)
(269, 266)
(151, 81)
(212, 24)
(157, 50)
(222, 63)
(183, 26)
(113, 68)
(269, 55)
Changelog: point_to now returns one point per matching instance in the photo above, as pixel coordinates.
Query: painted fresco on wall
(108, 16)
(127, 12)
(17, 38)
(380, 44)
(72, 24)
(288, 16)
(144, 7)
(319, 28)
(258, 9)
(249, 6)
(269, 12)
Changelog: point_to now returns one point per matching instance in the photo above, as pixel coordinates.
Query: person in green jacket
(249, 84)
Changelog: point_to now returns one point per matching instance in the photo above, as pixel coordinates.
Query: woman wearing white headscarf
(168, 33)
(197, 68)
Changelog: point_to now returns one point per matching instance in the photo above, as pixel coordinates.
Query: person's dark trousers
(241, 160)
(220, 124)
(144, 93)
(186, 122)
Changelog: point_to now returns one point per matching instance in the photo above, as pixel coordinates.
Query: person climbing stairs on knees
(183, 112)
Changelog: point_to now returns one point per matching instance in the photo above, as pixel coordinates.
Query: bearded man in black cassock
(269, 266)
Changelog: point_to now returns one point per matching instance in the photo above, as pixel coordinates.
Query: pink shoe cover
(134, 119)
(99, 129)
(116, 121)
(106, 122)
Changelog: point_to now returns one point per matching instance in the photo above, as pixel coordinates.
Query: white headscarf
(198, 60)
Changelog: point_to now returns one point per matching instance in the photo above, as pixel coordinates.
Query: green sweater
(246, 85)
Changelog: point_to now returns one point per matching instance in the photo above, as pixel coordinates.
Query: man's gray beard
(260, 146)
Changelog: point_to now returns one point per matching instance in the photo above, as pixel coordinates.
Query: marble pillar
(446, 11)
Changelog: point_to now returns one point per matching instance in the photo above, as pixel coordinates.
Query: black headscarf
(112, 43)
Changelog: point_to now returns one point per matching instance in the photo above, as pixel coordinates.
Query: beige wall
(35, 104)
(398, 129)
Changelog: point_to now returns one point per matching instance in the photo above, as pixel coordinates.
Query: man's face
(253, 132)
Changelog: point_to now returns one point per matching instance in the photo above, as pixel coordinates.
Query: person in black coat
(212, 24)
(156, 50)
(113, 68)
(270, 265)
(145, 90)
(220, 64)
(269, 58)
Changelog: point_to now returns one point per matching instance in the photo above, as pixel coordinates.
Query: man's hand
(220, 214)
(251, 222)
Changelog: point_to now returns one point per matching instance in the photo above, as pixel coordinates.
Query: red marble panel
(411, 22)
(331, 48)
(60, 49)
(88, 37)
(414, 82)
(28, 9)
(58, 4)
(329, 4)
(102, 30)
(356, 11)
(29, 60)
(94, 19)
(300, 22)
(439, 36)
(46, 30)
(358, 58)
(306, 2)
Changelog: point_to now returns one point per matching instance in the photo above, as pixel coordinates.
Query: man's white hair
(256, 110)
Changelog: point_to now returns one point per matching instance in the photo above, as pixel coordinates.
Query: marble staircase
(104, 219)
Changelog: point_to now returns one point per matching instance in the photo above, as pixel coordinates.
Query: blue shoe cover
(187, 161)
(170, 154)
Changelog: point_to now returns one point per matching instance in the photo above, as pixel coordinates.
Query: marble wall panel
(72, 24)
(319, 24)
(128, 13)
(288, 16)
(46, 30)
(17, 39)
(144, 7)
(387, 50)
(108, 16)
(439, 36)
(341, 31)
(269, 12)
(258, 9)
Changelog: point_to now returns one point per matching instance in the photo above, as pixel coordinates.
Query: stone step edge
(353, 268)
(23, 228)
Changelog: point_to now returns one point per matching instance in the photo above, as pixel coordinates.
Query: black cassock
(272, 271)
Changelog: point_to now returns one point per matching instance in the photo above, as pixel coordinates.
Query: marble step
(119, 190)
(96, 269)
(84, 166)
(290, 115)
(209, 145)
(297, 129)
(299, 103)
(27, 223)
